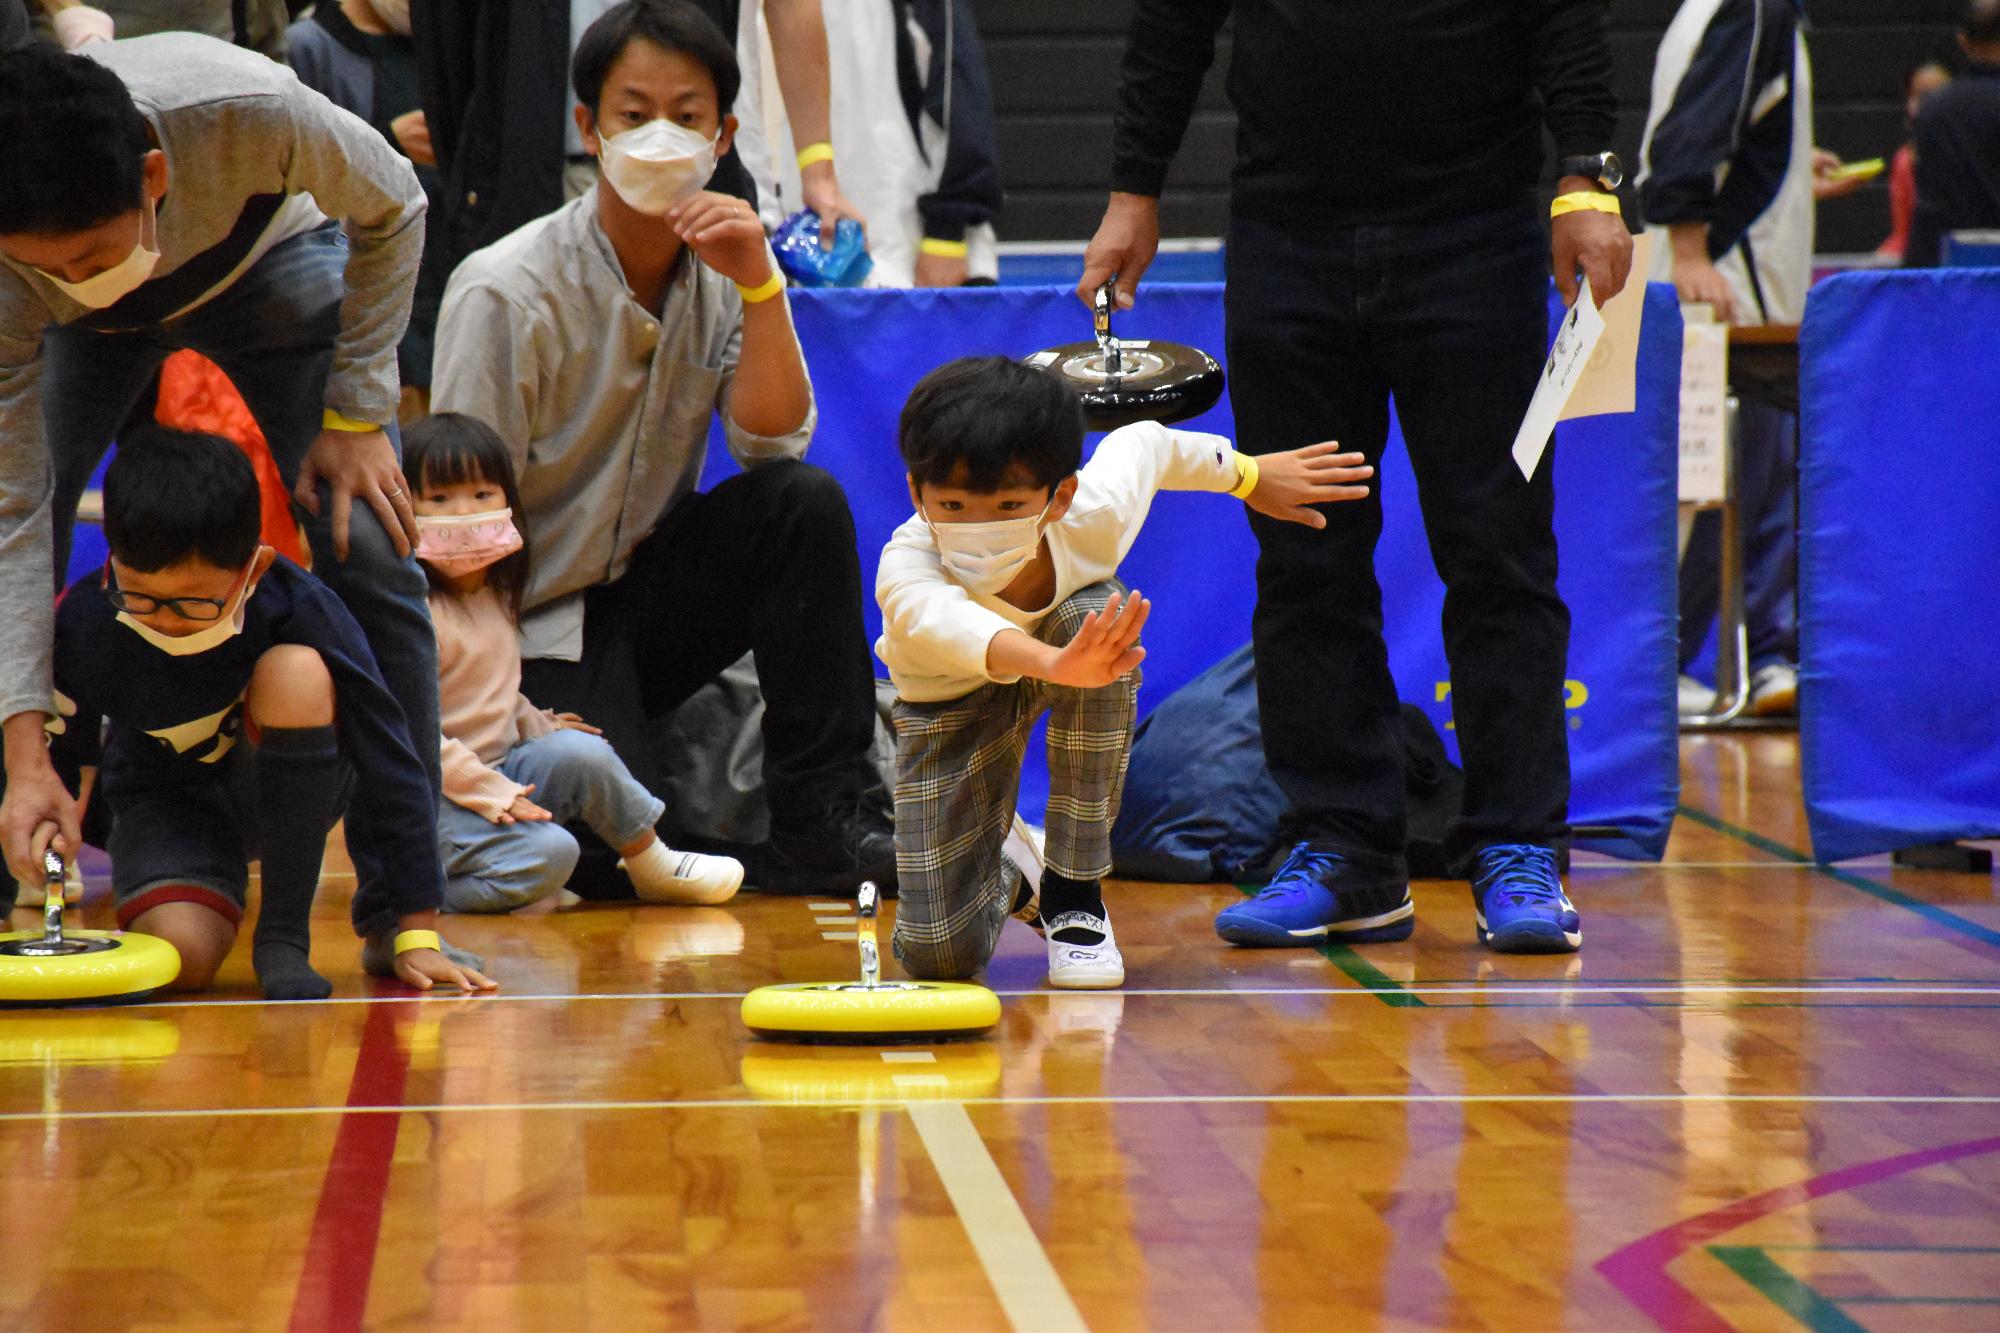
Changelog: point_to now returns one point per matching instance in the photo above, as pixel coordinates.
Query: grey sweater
(234, 126)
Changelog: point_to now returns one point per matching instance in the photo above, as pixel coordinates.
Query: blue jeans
(492, 867)
(272, 331)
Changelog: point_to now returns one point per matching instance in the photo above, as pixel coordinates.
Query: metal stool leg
(1732, 641)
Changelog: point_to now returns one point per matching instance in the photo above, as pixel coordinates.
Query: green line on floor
(1358, 969)
(1785, 1290)
(1951, 921)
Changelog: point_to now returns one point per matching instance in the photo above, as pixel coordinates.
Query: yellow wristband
(332, 420)
(815, 152)
(931, 245)
(1246, 476)
(763, 291)
(1585, 199)
(407, 940)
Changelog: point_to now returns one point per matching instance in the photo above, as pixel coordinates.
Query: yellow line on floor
(1030, 1292)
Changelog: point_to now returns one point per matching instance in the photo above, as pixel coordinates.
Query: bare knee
(200, 935)
(291, 687)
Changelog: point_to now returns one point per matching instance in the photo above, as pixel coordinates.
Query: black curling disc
(1164, 382)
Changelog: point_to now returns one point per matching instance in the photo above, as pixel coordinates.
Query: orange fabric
(196, 395)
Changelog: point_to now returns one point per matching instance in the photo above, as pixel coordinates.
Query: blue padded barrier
(1615, 481)
(1899, 560)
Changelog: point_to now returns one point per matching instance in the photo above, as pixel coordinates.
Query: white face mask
(227, 627)
(657, 165)
(107, 288)
(986, 557)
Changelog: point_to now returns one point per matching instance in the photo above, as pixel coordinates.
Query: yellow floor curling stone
(870, 1011)
(52, 966)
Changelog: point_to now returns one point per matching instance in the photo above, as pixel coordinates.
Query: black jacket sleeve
(1570, 43)
(1748, 43)
(1169, 48)
(14, 32)
(968, 191)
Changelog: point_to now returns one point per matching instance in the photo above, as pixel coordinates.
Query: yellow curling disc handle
(871, 956)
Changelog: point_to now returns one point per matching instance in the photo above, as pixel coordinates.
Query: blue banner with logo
(1615, 515)
(1899, 562)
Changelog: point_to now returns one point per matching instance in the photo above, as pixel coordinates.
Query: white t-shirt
(935, 631)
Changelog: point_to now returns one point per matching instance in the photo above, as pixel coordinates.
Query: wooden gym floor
(1764, 1096)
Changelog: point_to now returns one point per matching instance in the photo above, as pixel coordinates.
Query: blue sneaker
(1319, 896)
(1518, 898)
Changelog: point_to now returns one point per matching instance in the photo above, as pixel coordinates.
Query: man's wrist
(26, 739)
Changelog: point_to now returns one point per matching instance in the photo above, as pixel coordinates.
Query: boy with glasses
(246, 713)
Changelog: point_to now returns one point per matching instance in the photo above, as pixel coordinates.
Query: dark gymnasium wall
(1055, 70)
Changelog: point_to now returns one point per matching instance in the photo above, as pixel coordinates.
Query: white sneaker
(1695, 697)
(1084, 966)
(662, 875)
(1774, 690)
(1024, 847)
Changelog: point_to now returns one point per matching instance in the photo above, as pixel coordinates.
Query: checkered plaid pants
(958, 774)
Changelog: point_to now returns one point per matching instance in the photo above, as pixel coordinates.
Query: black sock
(1061, 894)
(299, 774)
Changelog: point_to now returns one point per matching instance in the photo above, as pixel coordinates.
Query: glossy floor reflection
(1764, 1096)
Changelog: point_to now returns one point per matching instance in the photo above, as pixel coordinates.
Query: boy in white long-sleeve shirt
(999, 602)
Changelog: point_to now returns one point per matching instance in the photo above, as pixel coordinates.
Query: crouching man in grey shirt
(600, 341)
(174, 191)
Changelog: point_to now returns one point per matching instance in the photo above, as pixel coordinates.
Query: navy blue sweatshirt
(1367, 110)
(174, 719)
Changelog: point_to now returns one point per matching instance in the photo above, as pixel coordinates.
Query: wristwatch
(1604, 168)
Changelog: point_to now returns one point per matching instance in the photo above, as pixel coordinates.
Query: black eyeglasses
(187, 608)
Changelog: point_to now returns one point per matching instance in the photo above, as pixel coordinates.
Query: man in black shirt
(1386, 241)
(1958, 144)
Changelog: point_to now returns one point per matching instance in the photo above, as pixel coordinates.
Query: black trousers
(1448, 317)
(763, 562)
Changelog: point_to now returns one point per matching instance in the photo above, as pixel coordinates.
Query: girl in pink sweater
(515, 774)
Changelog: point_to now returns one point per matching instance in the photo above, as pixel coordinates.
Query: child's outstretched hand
(1290, 482)
(1106, 645)
(523, 809)
(571, 722)
(422, 969)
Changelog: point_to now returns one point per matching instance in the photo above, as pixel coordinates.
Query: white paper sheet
(1704, 389)
(1575, 341)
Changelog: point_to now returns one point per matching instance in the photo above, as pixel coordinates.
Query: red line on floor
(1639, 1270)
(340, 1256)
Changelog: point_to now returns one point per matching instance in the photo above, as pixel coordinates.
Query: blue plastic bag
(809, 264)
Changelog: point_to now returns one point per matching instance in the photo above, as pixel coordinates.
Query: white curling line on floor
(1160, 1099)
(1494, 990)
(1030, 1291)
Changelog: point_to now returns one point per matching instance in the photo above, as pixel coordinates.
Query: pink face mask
(459, 544)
